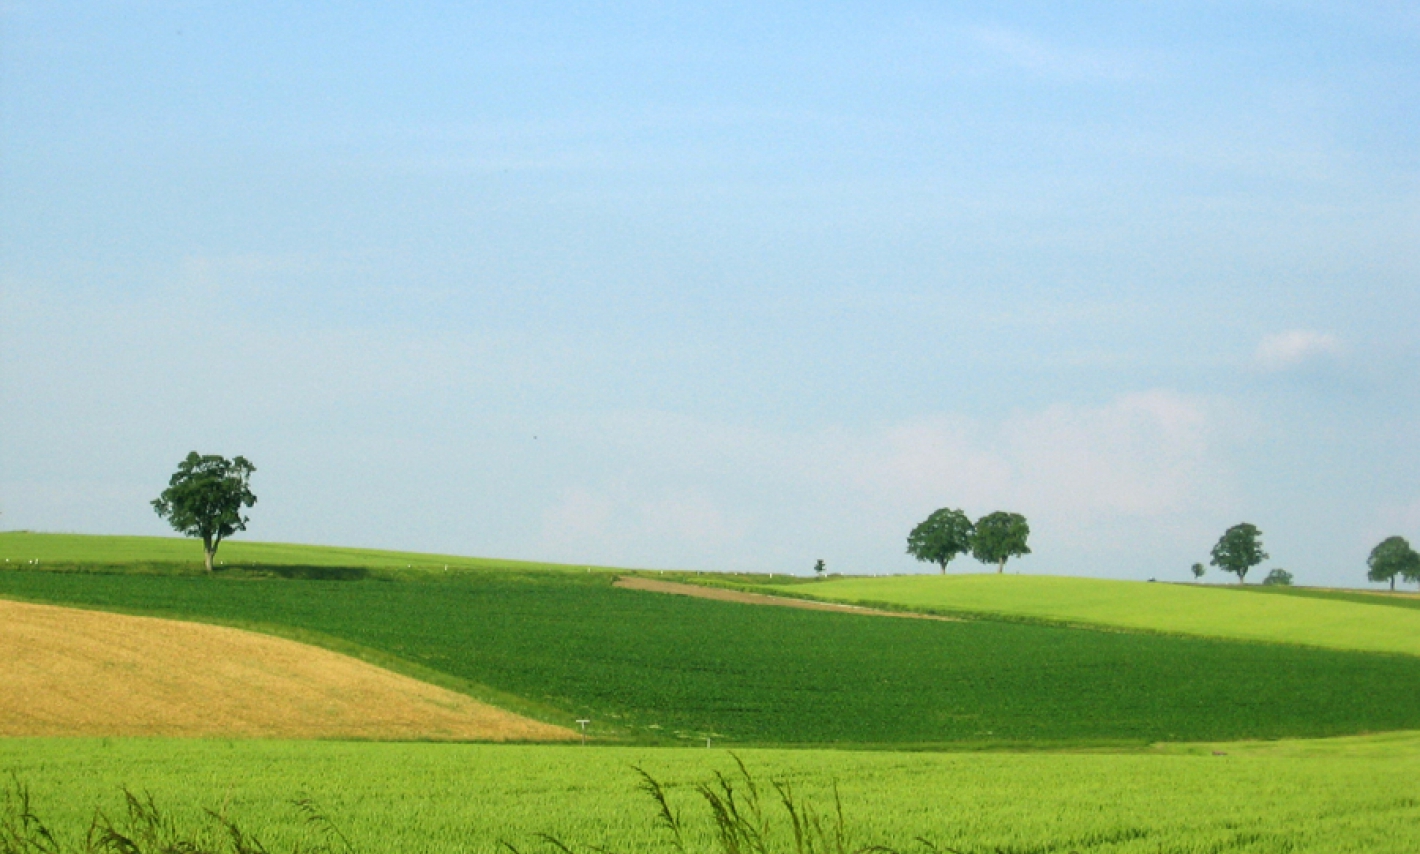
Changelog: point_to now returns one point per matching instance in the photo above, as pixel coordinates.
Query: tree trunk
(207, 557)
(1001, 567)
(1392, 584)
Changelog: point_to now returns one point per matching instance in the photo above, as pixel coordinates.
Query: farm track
(71, 672)
(721, 594)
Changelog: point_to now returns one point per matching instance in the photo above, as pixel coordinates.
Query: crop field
(1338, 621)
(650, 667)
(1120, 742)
(67, 671)
(469, 798)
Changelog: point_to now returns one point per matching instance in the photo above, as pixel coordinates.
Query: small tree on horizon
(205, 497)
(1239, 549)
(1198, 571)
(1278, 577)
(1391, 557)
(819, 567)
(941, 537)
(999, 536)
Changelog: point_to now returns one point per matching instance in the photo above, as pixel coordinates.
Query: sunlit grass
(1210, 611)
(467, 798)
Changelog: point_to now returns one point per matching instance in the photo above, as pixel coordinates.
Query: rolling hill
(1352, 623)
(653, 668)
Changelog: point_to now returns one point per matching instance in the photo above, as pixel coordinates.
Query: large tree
(205, 497)
(1392, 557)
(1238, 550)
(999, 536)
(941, 537)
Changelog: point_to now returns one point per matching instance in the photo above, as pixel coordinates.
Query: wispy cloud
(1284, 351)
(1046, 58)
(1143, 468)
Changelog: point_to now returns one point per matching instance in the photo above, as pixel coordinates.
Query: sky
(720, 286)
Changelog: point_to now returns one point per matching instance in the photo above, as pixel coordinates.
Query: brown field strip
(721, 594)
(69, 672)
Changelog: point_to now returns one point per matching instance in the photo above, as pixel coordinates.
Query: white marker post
(584, 722)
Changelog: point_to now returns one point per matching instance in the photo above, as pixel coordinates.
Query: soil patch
(69, 672)
(721, 594)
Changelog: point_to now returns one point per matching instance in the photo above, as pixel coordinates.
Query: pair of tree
(991, 539)
(1392, 557)
(205, 497)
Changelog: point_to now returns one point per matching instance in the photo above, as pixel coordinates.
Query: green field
(1337, 621)
(1066, 739)
(171, 554)
(650, 667)
(466, 798)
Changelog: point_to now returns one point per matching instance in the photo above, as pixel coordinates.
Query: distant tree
(1278, 577)
(1392, 557)
(941, 537)
(1238, 550)
(1198, 570)
(819, 567)
(205, 497)
(1000, 536)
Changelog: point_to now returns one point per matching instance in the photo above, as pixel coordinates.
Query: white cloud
(1038, 56)
(1140, 472)
(1142, 456)
(1286, 350)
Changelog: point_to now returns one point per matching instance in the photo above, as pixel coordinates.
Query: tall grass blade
(666, 817)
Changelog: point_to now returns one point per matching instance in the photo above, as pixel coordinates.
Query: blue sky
(720, 286)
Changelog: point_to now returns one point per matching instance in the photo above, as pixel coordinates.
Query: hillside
(649, 667)
(19, 548)
(1206, 611)
(70, 672)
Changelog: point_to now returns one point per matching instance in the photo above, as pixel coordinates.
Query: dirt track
(68, 672)
(675, 588)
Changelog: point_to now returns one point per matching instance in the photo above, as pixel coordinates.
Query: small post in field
(584, 722)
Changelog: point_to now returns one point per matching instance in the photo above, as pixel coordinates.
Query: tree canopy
(205, 497)
(1239, 549)
(941, 537)
(999, 536)
(1278, 577)
(1391, 557)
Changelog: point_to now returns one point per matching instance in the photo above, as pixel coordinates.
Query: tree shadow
(303, 572)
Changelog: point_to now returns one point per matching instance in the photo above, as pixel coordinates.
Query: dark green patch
(1377, 598)
(655, 667)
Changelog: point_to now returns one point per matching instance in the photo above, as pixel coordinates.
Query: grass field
(466, 798)
(170, 554)
(1335, 621)
(648, 666)
(1159, 714)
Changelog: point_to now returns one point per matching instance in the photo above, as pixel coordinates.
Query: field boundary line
(727, 594)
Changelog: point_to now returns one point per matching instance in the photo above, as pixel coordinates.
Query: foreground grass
(466, 798)
(1324, 620)
(645, 666)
